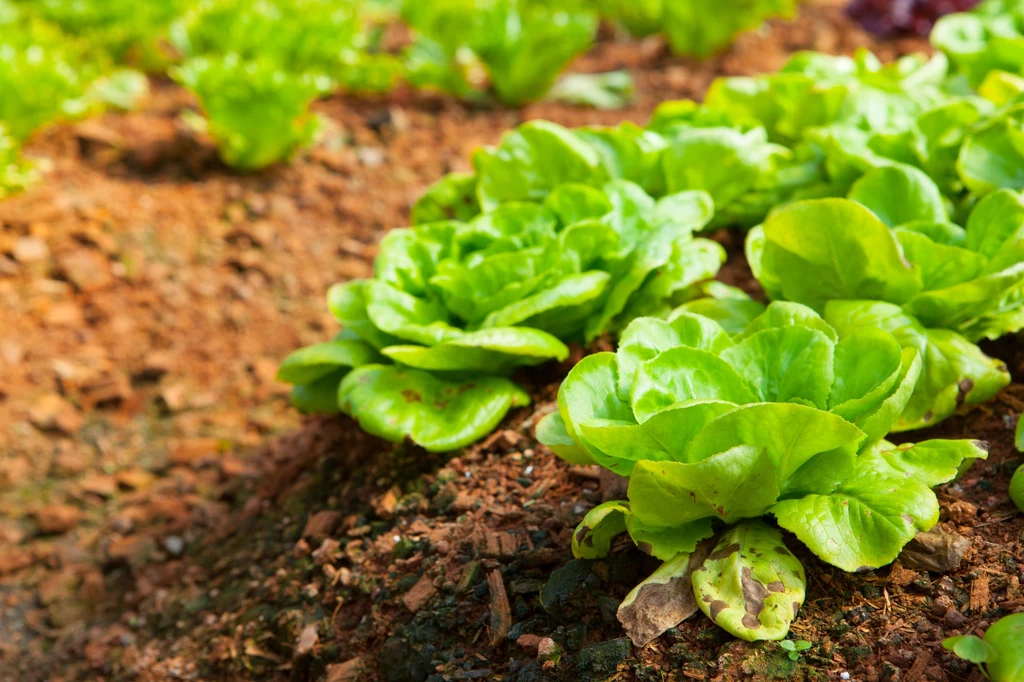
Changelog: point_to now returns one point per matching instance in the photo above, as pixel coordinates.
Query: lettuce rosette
(684, 147)
(889, 257)
(856, 114)
(697, 28)
(988, 38)
(788, 418)
(456, 307)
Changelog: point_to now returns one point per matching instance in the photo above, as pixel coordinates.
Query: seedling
(794, 647)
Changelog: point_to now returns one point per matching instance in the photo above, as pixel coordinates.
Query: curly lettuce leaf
(256, 112)
(532, 160)
(954, 371)
(453, 197)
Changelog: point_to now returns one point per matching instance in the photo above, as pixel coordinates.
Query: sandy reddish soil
(164, 514)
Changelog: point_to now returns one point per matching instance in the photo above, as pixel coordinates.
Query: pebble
(174, 545)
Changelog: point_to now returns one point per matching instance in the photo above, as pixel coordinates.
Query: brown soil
(164, 515)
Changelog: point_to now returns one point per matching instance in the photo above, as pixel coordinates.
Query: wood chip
(501, 614)
(321, 524)
(420, 593)
(980, 595)
(308, 639)
(349, 671)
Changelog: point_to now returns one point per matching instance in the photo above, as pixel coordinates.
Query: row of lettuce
(885, 222)
(256, 66)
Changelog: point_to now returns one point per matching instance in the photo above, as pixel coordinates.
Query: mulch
(165, 515)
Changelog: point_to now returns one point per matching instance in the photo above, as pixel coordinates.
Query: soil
(165, 515)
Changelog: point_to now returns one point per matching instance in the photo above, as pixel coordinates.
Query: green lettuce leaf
(436, 414)
(899, 194)
(532, 160)
(751, 585)
(865, 522)
(821, 250)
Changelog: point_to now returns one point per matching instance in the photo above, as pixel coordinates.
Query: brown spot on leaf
(796, 608)
(725, 551)
(754, 593)
(982, 445)
(908, 518)
(716, 608)
(751, 622)
(776, 586)
(927, 416)
(411, 396)
(782, 550)
(963, 388)
(582, 533)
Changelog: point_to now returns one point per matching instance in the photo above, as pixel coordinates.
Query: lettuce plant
(15, 174)
(256, 112)
(685, 148)
(458, 306)
(999, 654)
(521, 45)
(889, 257)
(323, 38)
(786, 418)
(123, 30)
(990, 37)
(41, 80)
(698, 28)
(856, 114)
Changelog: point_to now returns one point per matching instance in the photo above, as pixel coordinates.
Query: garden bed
(175, 520)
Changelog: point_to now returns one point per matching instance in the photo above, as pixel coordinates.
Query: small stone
(86, 269)
(308, 638)
(52, 412)
(954, 619)
(58, 518)
(30, 250)
(548, 650)
(174, 545)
